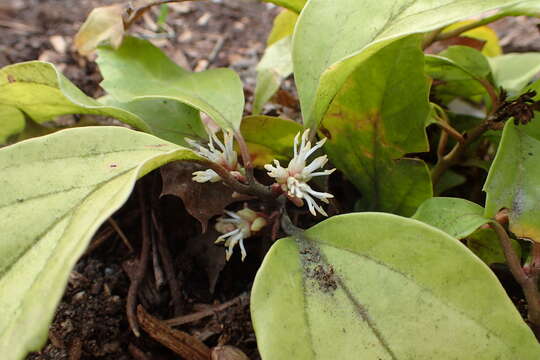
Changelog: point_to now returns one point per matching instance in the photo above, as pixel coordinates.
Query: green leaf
(333, 37)
(139, 70)
(514, 71)
(528, 8)
(168, 119)
(512, 182)
(294, 5)
(484, 243)
(11, 122)
(369, 126)
(55, 192)
(457, 217)
(269, 138)
(448, 180)
(378, 286)
(275, 65)
(283, 26)
(39, 90)
(461, 70)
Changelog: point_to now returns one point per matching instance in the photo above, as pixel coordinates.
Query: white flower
(223, 155)
(239, 226)
(293, 179)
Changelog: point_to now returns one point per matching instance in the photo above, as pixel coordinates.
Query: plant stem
(255, 188)
(529, 283)
(453, 156)
(460, 30)
(139, 12)
(142, 265)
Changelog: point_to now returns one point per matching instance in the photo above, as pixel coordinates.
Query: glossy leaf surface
(378, 286)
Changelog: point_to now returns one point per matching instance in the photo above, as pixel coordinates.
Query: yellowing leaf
(492, 46)
(103, 24)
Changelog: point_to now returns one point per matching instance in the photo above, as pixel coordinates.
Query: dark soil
(91, 319)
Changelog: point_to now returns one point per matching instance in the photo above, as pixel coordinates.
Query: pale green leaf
(512, 182)
(294, 5)
(283, 26)
(461, 70)
(378, 286)
(457, 217)
(139, 70)
(528, 8)
(55, 192)
(40, 91)
(269, 138)
(11, 122)
(168, 119)
(514, 71)
(333, 37)
(275, 65)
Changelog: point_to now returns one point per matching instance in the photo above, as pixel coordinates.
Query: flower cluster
(237, 227)
(293, 179)
(223, 155)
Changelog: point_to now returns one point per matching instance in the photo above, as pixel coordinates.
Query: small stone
(79, 297)
(228, 352)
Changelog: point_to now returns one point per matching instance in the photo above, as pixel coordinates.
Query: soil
(91, 319)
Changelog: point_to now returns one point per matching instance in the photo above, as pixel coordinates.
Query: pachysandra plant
(405, 275)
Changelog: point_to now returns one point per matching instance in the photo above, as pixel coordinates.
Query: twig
(255, 188)
(430, 37)
(183, 344)
(121, 234)
(451, 131)
(139, 12)
(453, 156)
(529, 283)
(137, 353)
(181, 320)
(99, 240)
(142, 265)
(174, 286)
(158, 271)
(215, 51)
(246, 157)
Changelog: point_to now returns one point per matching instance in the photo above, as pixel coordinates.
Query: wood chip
(178, 341)
(58, 43)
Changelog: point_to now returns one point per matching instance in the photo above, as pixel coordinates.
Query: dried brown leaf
(103, 24)
(202, 201)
